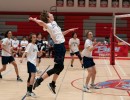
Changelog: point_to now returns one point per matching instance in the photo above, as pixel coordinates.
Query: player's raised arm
(69, 30)
(39, 22)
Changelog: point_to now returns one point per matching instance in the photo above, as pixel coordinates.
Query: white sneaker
(38, 70)
(16, 56)
(32, 94)
(94, 86)
(86, 89)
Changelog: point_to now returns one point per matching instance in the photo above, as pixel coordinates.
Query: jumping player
(49, 25)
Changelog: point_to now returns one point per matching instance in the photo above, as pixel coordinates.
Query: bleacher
(99, 24)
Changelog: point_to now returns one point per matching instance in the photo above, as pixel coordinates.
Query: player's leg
(80, 58)
(12, 61)
(32, 73)
(87, 65)
(30, 85)
(59, 66)
(72, 59)
(4, 61)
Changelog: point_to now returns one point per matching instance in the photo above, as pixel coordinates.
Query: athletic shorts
(31, 68)
(60, 51)
(23, 48)
(88, 62)
(7, 59)
(77, 54)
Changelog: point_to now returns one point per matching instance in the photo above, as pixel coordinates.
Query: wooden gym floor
(70, 82)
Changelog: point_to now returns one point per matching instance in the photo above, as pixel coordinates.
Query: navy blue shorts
(23, 48)
(7, 59)
(31, 67)
(60, 51)
(88, 62)
(39, 57)
(77, 54)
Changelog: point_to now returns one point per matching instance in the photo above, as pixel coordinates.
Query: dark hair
(73, 34)
(30, 37)
(44, 16)
(24, 37)
(39, 34)
(87, 34)
(6, 33)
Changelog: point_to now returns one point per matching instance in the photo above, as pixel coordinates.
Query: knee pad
(56, 69)
(59, 68)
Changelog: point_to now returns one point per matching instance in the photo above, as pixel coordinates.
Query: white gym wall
(38, 5)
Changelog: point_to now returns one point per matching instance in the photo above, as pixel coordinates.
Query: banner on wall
(125, 3)
(115, 3)
(103, 3)
(92, 3)
(69, 3)
(81, 3)
(59, 3)
(104, 50)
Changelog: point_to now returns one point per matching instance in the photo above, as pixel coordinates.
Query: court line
(72, 83)
(83, 83)
(120, 68)
(96, 57)
(108, 67)
(9, 71)
(23, 98)
(119, 96)
(119, 76)
(62, 81)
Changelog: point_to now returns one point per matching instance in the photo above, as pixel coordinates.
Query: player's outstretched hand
(30, 18)
(73, 29)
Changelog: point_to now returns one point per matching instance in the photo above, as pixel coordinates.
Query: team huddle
(34, 52)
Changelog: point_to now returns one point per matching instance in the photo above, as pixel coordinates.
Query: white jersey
(55, 32)
(15, 43)
(32, 53)
(7, 46)
(74, 43)
(24, 43)
(86, 52)
(45, 42)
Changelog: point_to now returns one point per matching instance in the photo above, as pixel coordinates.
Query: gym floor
(70, 82)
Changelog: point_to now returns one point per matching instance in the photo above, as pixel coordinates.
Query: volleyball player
(7, 55)
(23, 45)
(39, 44)
(15, 46)
(31, 52)
(88, 62)
(74, 43)
(49, 25)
